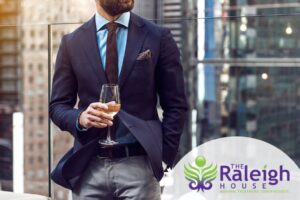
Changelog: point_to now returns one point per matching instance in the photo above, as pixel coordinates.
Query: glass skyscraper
(263, 88)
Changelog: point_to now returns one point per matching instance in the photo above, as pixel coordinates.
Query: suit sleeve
(172, 97)
(64, 93)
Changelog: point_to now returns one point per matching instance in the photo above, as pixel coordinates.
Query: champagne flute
(111, 97)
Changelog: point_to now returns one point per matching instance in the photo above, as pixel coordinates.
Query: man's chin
(120, 7)
(119, 12)
(116, 13)
(126, 5)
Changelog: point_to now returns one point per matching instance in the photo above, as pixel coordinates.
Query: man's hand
(95, 116)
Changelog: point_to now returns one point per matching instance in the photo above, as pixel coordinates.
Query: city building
(240, 72)
(10, 82)
(35, 17)
(263, 85)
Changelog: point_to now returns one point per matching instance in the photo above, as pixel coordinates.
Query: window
(30, 174)
(42, 46)
(31, 79)
(40, 146)
(40, 173)
(42, 33)
(32, 46)
(40, 159)
(32, 33)
(40, 67)
(30, 120)
(30, 66)
(31, 160)
(54, 33)
(41, 119)
(31, 147)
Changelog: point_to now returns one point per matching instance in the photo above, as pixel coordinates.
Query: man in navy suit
(117, 46)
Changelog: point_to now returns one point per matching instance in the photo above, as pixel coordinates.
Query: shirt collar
(123, 20)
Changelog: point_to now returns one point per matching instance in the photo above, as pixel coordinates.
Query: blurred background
(241, 61)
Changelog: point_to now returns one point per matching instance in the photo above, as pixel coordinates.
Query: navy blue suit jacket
(79, 73)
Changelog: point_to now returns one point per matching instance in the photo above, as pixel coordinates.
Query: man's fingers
(99, 120)
(100, 114)
(111, 103)
(98, 105)
(98, 125)
(95, 116)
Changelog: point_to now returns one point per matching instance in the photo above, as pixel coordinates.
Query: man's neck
(104, 14)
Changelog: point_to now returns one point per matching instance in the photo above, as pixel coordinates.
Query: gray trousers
(129, 178)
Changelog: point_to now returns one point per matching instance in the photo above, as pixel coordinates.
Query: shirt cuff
(78, 127)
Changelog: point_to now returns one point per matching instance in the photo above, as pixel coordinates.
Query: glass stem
(108, 135)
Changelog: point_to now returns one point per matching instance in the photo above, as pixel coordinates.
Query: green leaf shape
(191, 173)
(209, 173)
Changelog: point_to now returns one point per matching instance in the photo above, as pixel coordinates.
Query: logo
(200, 174)
(243, 177)
(233, 176)
(235, 168)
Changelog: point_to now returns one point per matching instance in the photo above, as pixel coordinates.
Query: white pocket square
(145, 55)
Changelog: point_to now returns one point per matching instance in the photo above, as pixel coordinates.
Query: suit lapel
(135, 40)
(90, 47)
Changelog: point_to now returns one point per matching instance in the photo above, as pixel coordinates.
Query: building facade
(35, 17)
(263, 92)
(10, 82)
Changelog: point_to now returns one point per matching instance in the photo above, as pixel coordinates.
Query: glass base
(108, 143)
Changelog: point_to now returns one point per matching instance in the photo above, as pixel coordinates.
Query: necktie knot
(112, 26)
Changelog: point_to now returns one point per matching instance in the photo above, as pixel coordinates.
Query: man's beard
(116, 7)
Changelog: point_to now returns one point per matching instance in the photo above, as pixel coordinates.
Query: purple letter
(225, 170)
(284, 171)
(253, 175)
(222, 185)
(273, 177)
